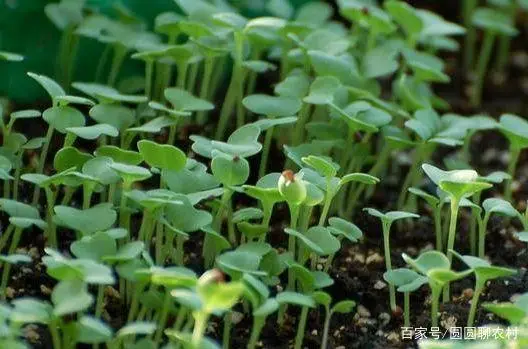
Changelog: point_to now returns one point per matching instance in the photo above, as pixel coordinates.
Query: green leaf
(515, 129)
(321, 165)
(100, 169)
(107, 94)
(236, 262)
(405, 15)
(483, 269)
(523, 236)
(94, 247)
(272, 106)
(183, 100)
(322, 90)
(131, 173)
(174, 277)
(119, 155)
(162, 156)
(499, 206)
(69, 157)
(94, 131)
(185, 217)
(341, 227)
(432, 200)
(70, 297)
(391, 216)
(360, 178)
(98, 218)
(220, 296)
(295, 298)
(294, 86)
(154, 125)
(267, 308)
(18, 209)
(9, 56)
(494, 21)
(118, 116)
(25, 114)
(53, 89)
(427, 261)
(63, 117)
(90, 330)
(243, 143)
(230, 171)
(507, 311)
(15, 259)
(136, 328)
(344, 307)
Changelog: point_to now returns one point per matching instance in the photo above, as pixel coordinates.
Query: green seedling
(407, 281)
(436, 205)
(267, 192)
(386, 221)
(305, 299)
(293, 190)
(213, 296)
(341, 307)
(49, 184)
(514, 312)
(493, 23)
(431, 131)
(98, 218)
(484, 272)
(516, 130)
(330, 183)
(342, 229)
(437, 268)
(458, 184)
(497, 207)
(262, 305)
(271, 107)
(129, 174)
(183, 104)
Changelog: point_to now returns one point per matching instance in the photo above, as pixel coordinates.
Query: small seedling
(342, 307)
(386, 221)
(516, 130)
(484, 272)
(437, 268)
(407, 281)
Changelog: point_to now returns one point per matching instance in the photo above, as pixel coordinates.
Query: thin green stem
(326, 329)
(100, 301)
(479, 287)
(226, 335)
(299, 337)
(265, 152)
(471, 35)
(482, 235)
(54, 332)
(200, 324)
(435, 300)
(204, 88)
(42, 162)
(258, 325)
(164, 314)
(388, 263)
(120, 52)
(454, 205)
(482, 66)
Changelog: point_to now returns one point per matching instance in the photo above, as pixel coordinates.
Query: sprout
(386, 221)
(407, 281)
(516, 130)
(342, 307)
(437, 268)
(484, 271)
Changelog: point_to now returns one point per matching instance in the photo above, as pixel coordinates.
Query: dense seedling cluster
(224, 181)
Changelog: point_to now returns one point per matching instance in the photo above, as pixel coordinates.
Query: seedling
(273, 108)
(484, 272)
(386, 221)
(493, 206)
(436, 205)
(437, 268)
(457, 184)
(407, 281)
(342, 307)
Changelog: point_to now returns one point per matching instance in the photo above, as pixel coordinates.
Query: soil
(358, 268)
